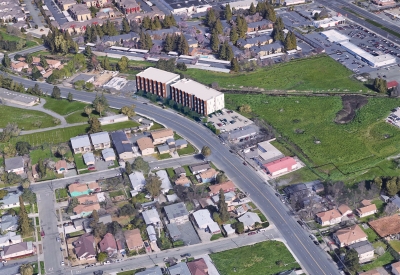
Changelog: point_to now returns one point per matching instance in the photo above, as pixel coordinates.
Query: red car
(252, 233)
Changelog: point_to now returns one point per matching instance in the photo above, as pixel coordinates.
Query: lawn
(187, 170)
(61, 193)
(189, 150)
(130, 272)
(24, 118)
(345, 151)
(385, 259)
(304, 174)
(76, 234)
(163, 156)
(395, 244)
(372, 236)
(120, 125)
(307, 74)
(216, 237)
(380, 205)
(117, 193)
(80, 164)
(37, 154)
(63, 106)
(81, 116)
(170, 172)
(268, 257)
(9, 37)
(156, 126)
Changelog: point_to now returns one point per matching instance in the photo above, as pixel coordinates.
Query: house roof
(344, 208)
(86, 199)
(210, 173)
(145, 143)
(198, 267)
(180, 142)
(366, 202)
(76, 187)
(203, 218)
(158, 75)
(52, 62)
(229, 196)
(88, 157)
(93, 185)
(392, 84)
(165, 182)
(98, 138)
(366, 209)
(121, 142)
(107, 242)
(107, 153)
(152, 233)
(156, 270)
(137, 179)
(162, 133)
(179, 269)
(362, 247)
(182, 180)
(280, 164)
(198, 167)
(14, 163)
(86, 208)
(11, 198)
(174, 231)
(61, 164)
(249, 219)
(133, 238)
(10, 236)
(176, 210)
(18, 65)
(18, 247)
(329, 215)
(180, 170)
(214, 189)
(84, 244)
(80, 141)
(151, 216)
(163, 148)
(350, 234)
(396, 266)
(386, 226)
(8, 221)
(228, 229)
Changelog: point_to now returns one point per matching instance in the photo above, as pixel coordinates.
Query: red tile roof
(392, 84)
(286, 162)
(198, 267)
(107, 242)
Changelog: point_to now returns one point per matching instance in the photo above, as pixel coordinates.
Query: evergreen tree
(24, 225)
(29, 59)
(215, 41)
(352, 261)
(270, 14)
(252, 9)
(210, 18)
(56, 93)
(41, 168)
(228, 12)
(234, 65)
(218, 27)
(122, 64)
(6, 61)
(95, 125)
(146, 24)
(234, 35)
(156, 24)
(149, 42)
(222, 52)
(169, 43)
(87, 36)
(290, 41)
(380, 85)
(88, 51)
(223, 207)
(128, 168)
(277, 34)
(261, 7)
(126, 28)
(241, 26)
(43, 62)
(279, 24)
(183, 47)
(105, 63)
(70, 97)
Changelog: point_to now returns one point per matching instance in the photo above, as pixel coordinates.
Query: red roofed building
(198, 267)
(280, 166)
(392, 84)
(108, 244)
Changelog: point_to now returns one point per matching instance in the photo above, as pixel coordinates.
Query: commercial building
(268, 152)
(243, 4)
(280, 166)
(329, 22)
(294, 2)
(384, 2)
(18, 98)
(198, 97)
(156, 81)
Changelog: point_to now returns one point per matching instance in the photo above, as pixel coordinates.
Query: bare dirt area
(351, 103)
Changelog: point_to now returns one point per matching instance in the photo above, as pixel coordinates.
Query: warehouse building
(329, 22)
(156, 81)
(280, 166)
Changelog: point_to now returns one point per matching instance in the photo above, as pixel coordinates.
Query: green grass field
(9, 37)
(63, 106)
(80, 164)
(395, 244)
(385, 259)
(268, 257)
(308, 74)
(120, 125)
(345, 151)
(187, 151)
(24, 118)
(37, 154)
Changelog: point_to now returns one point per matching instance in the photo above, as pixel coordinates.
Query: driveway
(34, 13)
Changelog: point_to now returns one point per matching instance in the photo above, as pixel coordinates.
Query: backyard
(302, 74)
(268, 257)
(26, 119)
(334, 151)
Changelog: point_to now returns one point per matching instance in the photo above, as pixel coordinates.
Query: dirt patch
(351, 103)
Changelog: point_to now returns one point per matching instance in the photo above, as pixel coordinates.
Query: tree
(228, 12)
(390, 209)
(183, 46)
(70, 97)
(181, 66)
(26, 269)
(218, 27)
(128, 110)
(43, 62)
(241, 26)
(378, 182)
(153, 185)
(28, 196)
(126, 210)
(252, 9)
(3, 193)
(239, 226)
(62, 150)
(210, 18)
(141, 165)
(146, 24)
(223, 207)
(56, 93)
(88, 51)
(169, 43)
(234, 65)
(6, 61)
(102, 256)
(206, 151)
(126, 28)
(245, 108)
(26, 184)
(270, 14)
(23, 147)
(216, 218)
(41, 168)
(88, 110)
(380, 85)
(24, 225)
(221, 177)
(391, 186)
(351, 260)
(100, 103)
(95, 219)
(234, 35)
(128, 168)
(277, 34)
(122, 64)
(95, 125)
(105, 63)
(215, 41)
(29, 59)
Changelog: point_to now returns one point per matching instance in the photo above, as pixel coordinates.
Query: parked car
(252, 233)
(186, 255)
(62, 263)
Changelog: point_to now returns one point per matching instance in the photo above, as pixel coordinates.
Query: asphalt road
(26, 51)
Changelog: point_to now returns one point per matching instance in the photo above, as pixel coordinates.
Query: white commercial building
(294, 2)
(244, 4)
(329, 22)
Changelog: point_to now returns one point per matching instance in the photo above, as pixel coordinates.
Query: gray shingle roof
(362, 247)
(108, 152)
(176, 210)
(179, 269)
(80, 141)
(151, 271)
(88, 157)
(98, 138)
(11, 198)
(199, 167)
(8, 221)
(14, 163)
(180, 142)
(121, 142)
(84, 77)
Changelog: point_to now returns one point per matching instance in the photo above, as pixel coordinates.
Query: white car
(107, 262)
(62, 263)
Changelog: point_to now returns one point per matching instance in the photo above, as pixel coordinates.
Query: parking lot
(228, 120)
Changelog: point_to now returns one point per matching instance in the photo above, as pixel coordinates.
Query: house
(9, 223)
(9, 238)
(229, 198)
(180, 171)
(318, 187)
(163, 149)
(137, 181)
(396, 268)
(225, 186)
(180, 144)
(177, 213)
(241, 209)
(161, 136)
(183, 180)
(367, 210)
(61, 167)
(228, 229)
(108, 154)
(165, 182)
(113, 119)
(48, 73)
(19, 66)
(95, 3)
(86, 209)
(121, 247)
(128, 6)
(299, 189)
(133, 239)
(18, 250)
(151, 217)
(53, 64)
(392, 84)
(329, 217)
(108, 245)
(151, 233)
(77, 189)
(259, 25)
(65, 4)
(88, 158)
(145, 145)
(364, 249)
(80, 12)
(207, 176)
(94, 186)
(156, 270)
(350, 235)
(84, 247)
(249, 219)
(179, 269)
(344, 210)
(122, 145)
(10, 200)
(203, 220)
(88, 199)
(85, 222)
(198, 168)
(198, 267)
(14, 165)
(174, 232)
(100, 140)
(280, 166)
(81, 144)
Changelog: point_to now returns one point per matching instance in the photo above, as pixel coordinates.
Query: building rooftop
(362, 247)
(84, 77)
(344, 208)
(165, 182)
(84, 208)
(329, 215)
(366, 209)
(108, 152)
(88, 157)
(156, 270)
(176, 210)
(84, 244)
(214, 189)
(108, 241)
(350, 234)
(180, 142)
(121, 142)
(195, 88)
(80, 141)
(137, 179)
(210, 173)
(180, 170)
(198, 167)
(198, 267)
(11, 198)
(151, 216)
(158, 75)
(99, 138)
(15, 248)
(280, 164)
(249, 219)
(179, 269)
(8, 221)
(162, 133)
(182, 180)
(144, 143)
(335, 36)
(203, 218)
(9, 95)
(268, 151)
(133, 238)
(386, 226)
(14, 163)
(79, 9)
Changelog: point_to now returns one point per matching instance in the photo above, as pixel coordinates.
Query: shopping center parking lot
(228, 120)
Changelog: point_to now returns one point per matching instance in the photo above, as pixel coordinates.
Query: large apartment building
(198, 97)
